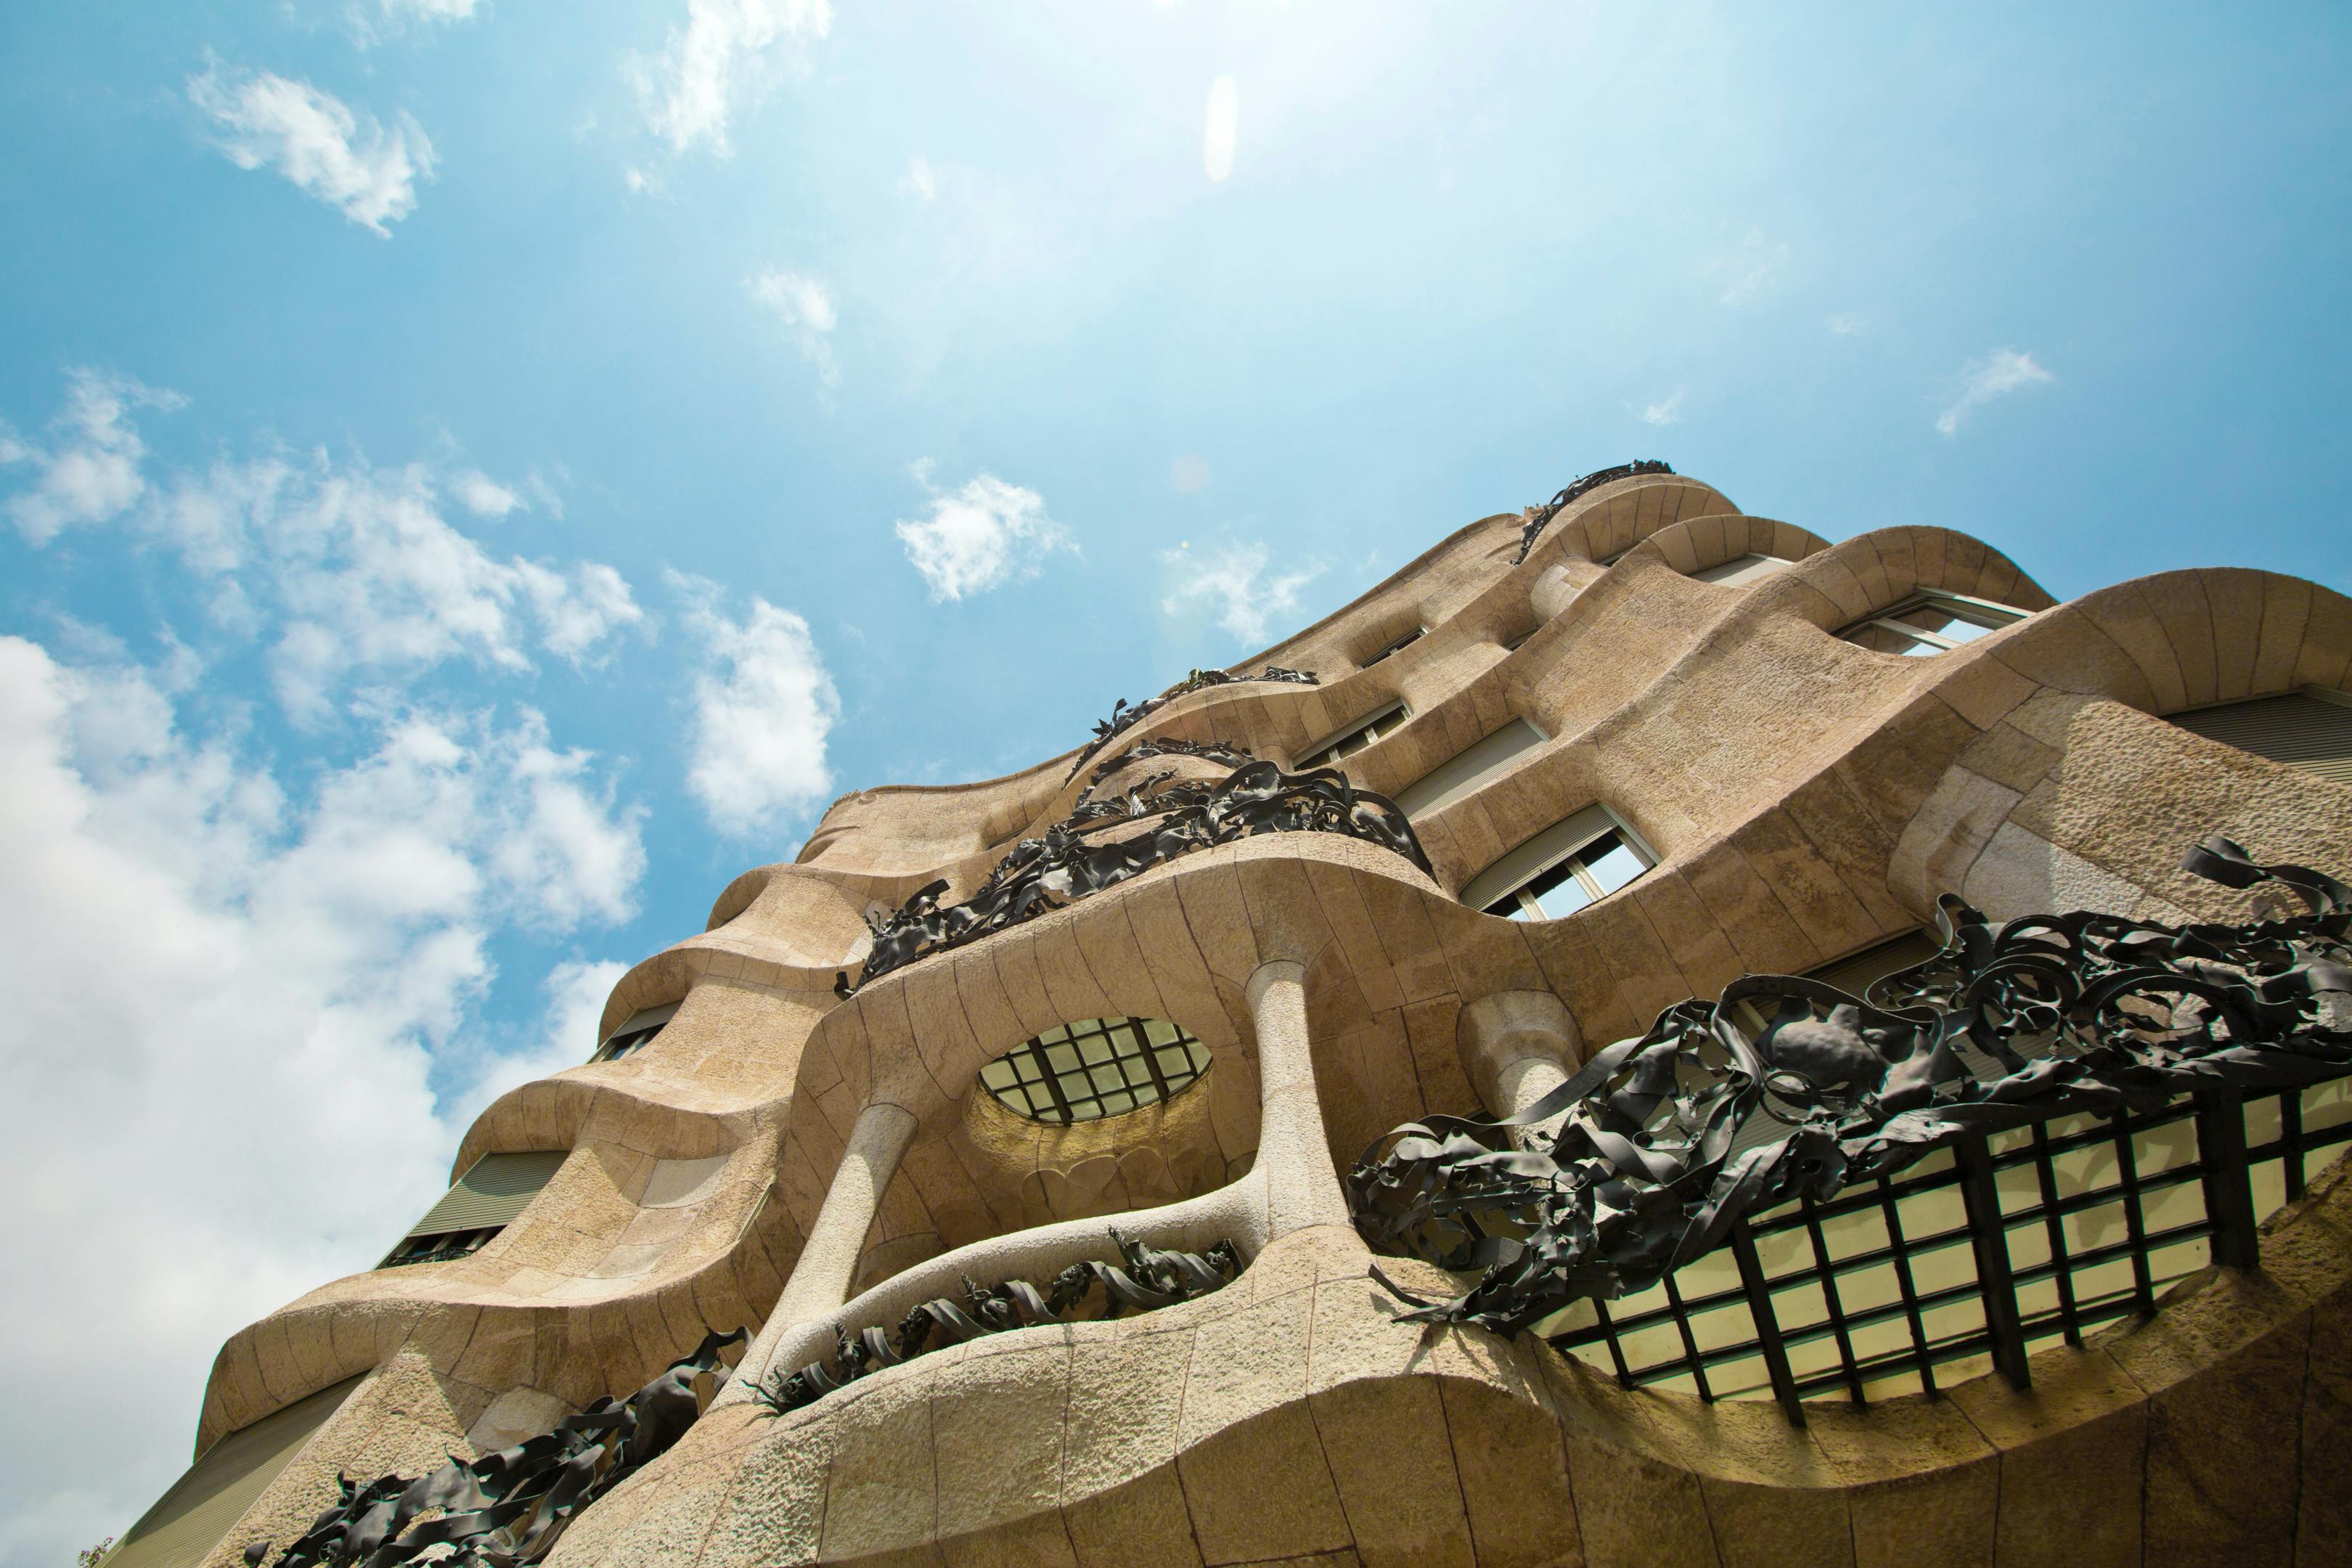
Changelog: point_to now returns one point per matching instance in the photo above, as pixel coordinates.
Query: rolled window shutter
(1450, 780)
(2303, 731)
(493, 1190)
(204, 1505)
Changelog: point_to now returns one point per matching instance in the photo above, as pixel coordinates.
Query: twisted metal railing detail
(1123, 718)
(1577, 489)
(1145, 1280)
(2011, 1024)
(1065, 864)
(511, 1507)
(1232, 756)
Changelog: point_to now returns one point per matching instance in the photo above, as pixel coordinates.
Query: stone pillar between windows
(1302, 1188)
(828, 1260)
(1518, 1047)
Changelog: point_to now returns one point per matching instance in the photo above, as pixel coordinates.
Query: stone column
(828, 1261)
(1302, 1188)
(1518, 1047)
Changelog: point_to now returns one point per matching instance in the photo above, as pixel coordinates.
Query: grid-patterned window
(2310, 728)
(1559, 871)
(1407, 640)
(636, 1033)
(1741, 569)
(1096, 1067)
(1928, 624)
(1903, 1285)
(1356, 736)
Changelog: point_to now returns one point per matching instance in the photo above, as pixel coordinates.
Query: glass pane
(1611, 862)
(1558, 892)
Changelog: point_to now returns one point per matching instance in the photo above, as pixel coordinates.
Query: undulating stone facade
(1724, 695)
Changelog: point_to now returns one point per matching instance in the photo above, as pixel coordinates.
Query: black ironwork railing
(1575, 489)
(1075, 859)
(1854, 1194)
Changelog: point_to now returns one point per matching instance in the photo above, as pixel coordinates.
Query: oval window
(1096, 1067)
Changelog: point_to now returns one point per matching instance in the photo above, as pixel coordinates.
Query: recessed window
(1098, 1067)
(1928, 624)
(1467, 769)
(493, 1191)
(2309, 727)
(1741, 569)
(1356, 736)
(1407, 640)
(636, 1033)
(1857, 971)
(1561, 869)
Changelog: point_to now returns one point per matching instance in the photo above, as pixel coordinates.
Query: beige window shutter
(493, 1190)
(2307, 730)
(205, 1504)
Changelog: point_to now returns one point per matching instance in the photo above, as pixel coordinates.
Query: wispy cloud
(1749, 268)
(89, 472)
(1996, 375)
(921, 179)
(764, 706)
(346, 160)
(484, 496)
(1667, 410)
(727, 50)
(1846, 323)
(804, 305)
(1188, 475)
(1220, 130)
(985, 534)
(345, 568)
(1236, 585)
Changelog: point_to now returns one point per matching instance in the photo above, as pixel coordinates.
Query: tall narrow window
(1741, 569)
(2309, 727)
(1467, 769)
(1096, 1067)
(485, 1200)
(1927, 624)
(1356, 736)
(1561, 869)
(192, 1519)
(1407, 640)
(636, 1033)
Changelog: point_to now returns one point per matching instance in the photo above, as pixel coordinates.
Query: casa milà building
(2002, 1221)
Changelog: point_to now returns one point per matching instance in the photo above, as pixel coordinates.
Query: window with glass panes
(1740, 570)
(1096, 1067)
(636, 1033)
(1927, 624)
(1407, 640)
(1347, 744)
(1561, 869)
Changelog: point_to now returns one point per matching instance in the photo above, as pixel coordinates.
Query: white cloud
(430, 10)
(353, 568)
(1846, 323)
(1664, 411)
(484, 496)
(763, 708)
(345, 160)
(921, 179)
(1188, 475)
(220, 973)
(1219, 129)
(983, 535)
(1996, 375)
(726, 50)
(1235, 584)
(1749, 268)
(804, 305)
(90, 474)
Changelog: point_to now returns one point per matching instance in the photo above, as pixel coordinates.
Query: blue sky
(476, 476)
